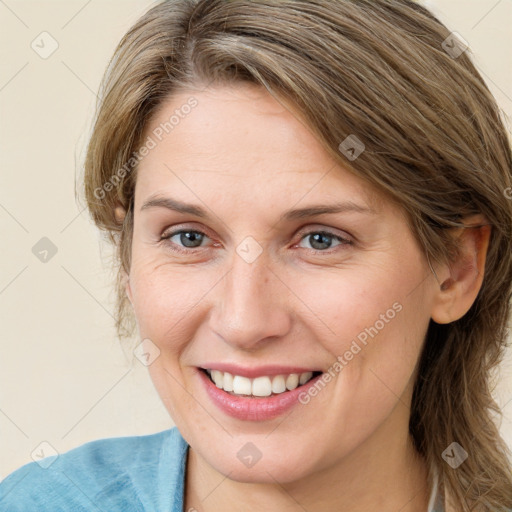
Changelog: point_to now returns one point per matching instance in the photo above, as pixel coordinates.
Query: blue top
(125, 474)
(128, 474)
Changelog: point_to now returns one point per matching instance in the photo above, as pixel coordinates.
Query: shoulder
(123, 473)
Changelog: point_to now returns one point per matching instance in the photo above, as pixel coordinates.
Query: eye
(185, 239)
(322, 240)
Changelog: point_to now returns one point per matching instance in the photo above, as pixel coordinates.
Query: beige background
(65, 379)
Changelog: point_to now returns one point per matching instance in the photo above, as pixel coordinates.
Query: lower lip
(254, 409)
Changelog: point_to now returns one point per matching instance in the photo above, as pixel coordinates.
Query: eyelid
(173, 230)
(319, 228)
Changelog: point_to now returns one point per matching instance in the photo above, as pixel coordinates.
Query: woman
(309, 201)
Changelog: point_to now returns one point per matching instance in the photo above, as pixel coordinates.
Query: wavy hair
(435, 142)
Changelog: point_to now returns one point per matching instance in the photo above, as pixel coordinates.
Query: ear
(461, 280)
(119, 212)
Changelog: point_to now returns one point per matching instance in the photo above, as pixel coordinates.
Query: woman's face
(262, 284)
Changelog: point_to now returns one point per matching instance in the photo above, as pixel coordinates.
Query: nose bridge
(251, 306)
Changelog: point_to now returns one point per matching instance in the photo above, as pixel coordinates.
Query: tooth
(292, 381)
(261, 386)
(304, 377)
(228, 382)
(217, 377)
(242, 385)
(278, 384)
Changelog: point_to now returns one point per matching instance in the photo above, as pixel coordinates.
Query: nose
(251, 305)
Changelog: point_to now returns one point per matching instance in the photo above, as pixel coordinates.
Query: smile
(256, 397)
(262, 386)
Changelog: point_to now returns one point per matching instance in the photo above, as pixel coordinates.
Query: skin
(246, 159)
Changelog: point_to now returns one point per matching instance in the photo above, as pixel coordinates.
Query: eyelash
(179, 249)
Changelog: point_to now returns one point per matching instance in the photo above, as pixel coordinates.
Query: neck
(384, 474)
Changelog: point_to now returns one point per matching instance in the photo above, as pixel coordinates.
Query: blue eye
(190, 239)
(322, 240)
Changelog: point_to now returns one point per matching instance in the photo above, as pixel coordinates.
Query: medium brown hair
(435, 142)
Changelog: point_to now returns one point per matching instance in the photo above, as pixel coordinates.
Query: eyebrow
(294, 214)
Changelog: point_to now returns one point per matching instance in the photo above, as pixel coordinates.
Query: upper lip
(257, 371)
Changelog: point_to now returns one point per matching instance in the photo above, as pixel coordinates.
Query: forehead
(239, 140)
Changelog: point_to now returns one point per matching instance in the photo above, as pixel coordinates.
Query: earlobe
(462, 279)
(119, 213)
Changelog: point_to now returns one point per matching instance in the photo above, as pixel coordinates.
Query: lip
(257, 371)
(253, 409)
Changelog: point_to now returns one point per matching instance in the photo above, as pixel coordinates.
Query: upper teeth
(260, 386)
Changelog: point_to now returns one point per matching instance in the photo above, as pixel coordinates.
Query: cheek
(375, 333)
(373, 324)
(347, 303)
(166, 303)
(164, 297)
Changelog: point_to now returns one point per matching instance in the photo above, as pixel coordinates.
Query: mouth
(259, 387)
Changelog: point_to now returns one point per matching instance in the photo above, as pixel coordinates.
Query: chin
(262, 473)
(273, 465)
